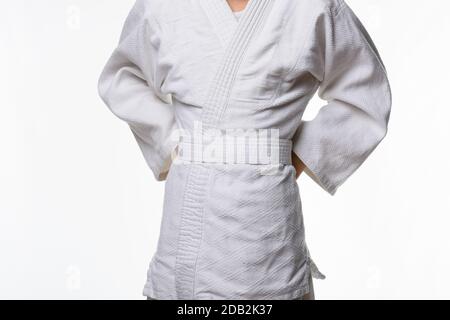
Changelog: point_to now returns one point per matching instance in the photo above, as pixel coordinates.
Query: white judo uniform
(232, 224)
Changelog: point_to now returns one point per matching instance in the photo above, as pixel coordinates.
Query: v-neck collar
(223, 18)
(237, 14)
(230, 10)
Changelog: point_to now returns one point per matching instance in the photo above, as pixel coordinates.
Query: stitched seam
(207, 196)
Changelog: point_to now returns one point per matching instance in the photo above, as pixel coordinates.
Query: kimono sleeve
(355, 85)
(130, 86)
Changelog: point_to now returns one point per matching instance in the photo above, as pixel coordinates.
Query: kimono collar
(223, 18)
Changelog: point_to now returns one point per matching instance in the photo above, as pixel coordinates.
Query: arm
(355, 85)
(130, 86)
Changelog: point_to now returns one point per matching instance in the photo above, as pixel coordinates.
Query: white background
(80, 211)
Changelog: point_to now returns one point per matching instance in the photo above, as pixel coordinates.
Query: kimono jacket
(188, 75)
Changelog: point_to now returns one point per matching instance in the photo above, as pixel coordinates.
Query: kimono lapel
(244, 30)
(221, 17)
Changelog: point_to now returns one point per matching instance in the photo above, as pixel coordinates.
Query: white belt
(235, 150)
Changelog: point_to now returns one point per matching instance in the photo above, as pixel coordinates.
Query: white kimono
(232, 224)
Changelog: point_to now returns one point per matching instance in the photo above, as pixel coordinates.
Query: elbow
(381, 126)
(383, 114)
(106, 94)
(102, 88)
(387, 112)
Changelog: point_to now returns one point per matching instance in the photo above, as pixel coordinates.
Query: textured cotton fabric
(230, 231)
(309, 296)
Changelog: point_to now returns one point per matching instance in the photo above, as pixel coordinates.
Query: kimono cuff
(302, 150)
(168, 154)
(159, 158)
